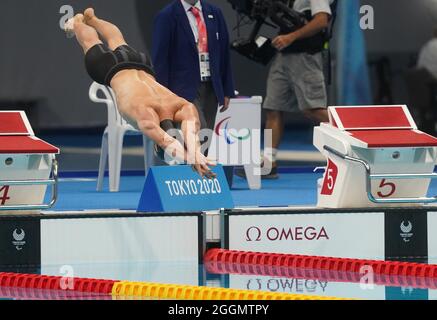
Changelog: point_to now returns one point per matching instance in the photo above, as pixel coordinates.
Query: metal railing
(370, 177)
(53, 182)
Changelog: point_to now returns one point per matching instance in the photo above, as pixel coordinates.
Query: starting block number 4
(4, 191)
(179, 189)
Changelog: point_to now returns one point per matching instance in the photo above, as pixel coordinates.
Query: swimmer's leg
(110, 33)
(85, 35)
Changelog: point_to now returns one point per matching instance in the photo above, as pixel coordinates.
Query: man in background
(296, 78)
(422, 87)
(191, 57)
(428, 56)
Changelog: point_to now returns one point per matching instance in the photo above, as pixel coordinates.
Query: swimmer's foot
(69, 26)
(89, 15)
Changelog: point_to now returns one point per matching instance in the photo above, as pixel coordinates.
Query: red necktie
(201, 27)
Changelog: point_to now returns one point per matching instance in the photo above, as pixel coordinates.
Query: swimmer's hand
(203, 166)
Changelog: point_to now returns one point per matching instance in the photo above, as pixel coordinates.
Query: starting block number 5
(4, 191)
(330, 179)
(387, 189)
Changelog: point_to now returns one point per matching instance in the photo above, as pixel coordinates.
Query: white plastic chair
(112, 140)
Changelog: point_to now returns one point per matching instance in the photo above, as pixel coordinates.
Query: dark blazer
(175, 55)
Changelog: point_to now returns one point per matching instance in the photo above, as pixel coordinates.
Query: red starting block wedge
(27, 165)
(376, 157)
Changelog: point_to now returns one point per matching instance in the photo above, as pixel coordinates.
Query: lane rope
(162, 291)
(126, 289)
(320, 275)
(227, 261)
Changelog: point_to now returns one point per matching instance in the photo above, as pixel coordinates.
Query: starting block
(376, 157)
(180, 189)
(27, 165)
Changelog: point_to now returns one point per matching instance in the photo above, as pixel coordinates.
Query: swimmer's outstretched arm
(190, 126)
(174, 148)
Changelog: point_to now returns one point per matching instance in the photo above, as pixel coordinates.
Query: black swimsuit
(103, 64)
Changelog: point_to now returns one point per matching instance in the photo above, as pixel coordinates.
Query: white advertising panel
(355, 235)
(432, 295)
(432, 237)
(120, 240)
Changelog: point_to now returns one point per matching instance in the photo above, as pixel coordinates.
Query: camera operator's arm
(316, 25)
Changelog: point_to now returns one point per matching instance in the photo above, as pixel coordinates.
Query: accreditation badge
(205, 70)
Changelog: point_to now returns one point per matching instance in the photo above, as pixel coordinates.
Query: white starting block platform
(376, 157)
(27, 165)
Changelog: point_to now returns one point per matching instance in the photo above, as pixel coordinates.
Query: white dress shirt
(316, 6)
(428, 57)
(192, 18)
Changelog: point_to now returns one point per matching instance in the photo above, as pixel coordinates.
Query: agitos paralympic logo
(309, 233)
(231, 136)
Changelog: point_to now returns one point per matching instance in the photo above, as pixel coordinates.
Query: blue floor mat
(290, 189)
(297, 189)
